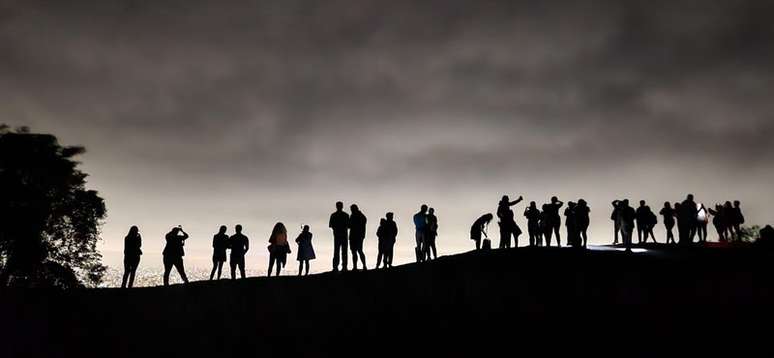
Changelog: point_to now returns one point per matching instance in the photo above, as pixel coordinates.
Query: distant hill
(497, 303)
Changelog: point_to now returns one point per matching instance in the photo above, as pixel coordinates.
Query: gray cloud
(179, 100)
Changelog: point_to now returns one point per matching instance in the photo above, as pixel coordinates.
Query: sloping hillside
(497, 303)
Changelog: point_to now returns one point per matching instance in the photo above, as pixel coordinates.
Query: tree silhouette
(49, 222)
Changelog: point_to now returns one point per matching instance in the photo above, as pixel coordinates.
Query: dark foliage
(50, 221)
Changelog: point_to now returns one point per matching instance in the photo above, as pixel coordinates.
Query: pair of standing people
(342, 224)
(426, 226)
(239, 245)
(387, 234)
(173, 254)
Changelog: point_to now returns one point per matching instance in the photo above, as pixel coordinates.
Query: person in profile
(391, 234)
(737, 219)
(508, 226)
(357, 232)
(381, 239)
(554, 221)
(431, 235)
(628, 215)
(702, 219)
(420, 225)
(173, 253)
(719, 222)
(132, 253)
(532, 213)
(305, 250)
(278, 248)
(616, 217)
(339, 222)
(220, 243)
(669, 221)
(571, 224)
(582, 213)
(728, 220)
(479, 228)
(239, 245)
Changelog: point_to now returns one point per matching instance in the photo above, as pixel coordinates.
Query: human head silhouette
(389, 216)
(737, 203)
(554, 199)
(667, 204)
(176, 230)
(690, 197)
(222, 229)
(354, 208)
(532, 205)
(505, 199)
(306, 228)
(133, 231)
(727, 204)
(642, 202)
(339, 206)
(238, 229)
(431, 211)
(625, 202)
(582, 202)
(571, 204)
(423, 208)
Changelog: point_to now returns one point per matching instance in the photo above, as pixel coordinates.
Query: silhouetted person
(381, 239)
(479, 228)
(533, 225)
(305, 249)
(616, 217)
(219, 245)
(357, 232)
(737, 219)
(132, 252)
(508, 226)
(553, 220)
(702, 219)
(728, 220)
(686, 221)
(645, 218)
(766, 238)
(420, 224)
(582, 212)
(278, 248)
(690, 210)
(239, 245)
(173, 253)
(669, 221)
(571, 223)
(391, 234)
(339, 222)
(719, 221)
(628, 216)
(431, 235)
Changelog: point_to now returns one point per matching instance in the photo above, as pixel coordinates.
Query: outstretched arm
(516, 201)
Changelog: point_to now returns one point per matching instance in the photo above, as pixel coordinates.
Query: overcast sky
(205, 113)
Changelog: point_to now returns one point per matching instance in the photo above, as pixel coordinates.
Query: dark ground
(688, 302)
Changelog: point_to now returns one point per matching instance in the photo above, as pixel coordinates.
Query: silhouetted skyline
(203, 114)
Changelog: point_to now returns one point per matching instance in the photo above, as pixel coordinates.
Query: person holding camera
(173, 253)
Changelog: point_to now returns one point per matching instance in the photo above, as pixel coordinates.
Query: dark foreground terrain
(688, 302)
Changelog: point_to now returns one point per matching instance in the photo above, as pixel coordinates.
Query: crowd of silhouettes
(349, 231)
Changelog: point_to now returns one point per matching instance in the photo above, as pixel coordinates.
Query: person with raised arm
(532, 213)
(553, 220)
(305, 250)
(173, 253)
(508, 226)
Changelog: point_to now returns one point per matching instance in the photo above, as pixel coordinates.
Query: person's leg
(336, 249)
(167, 269)
(214, 268)
(271, 264)
(241, 264)
(279, 267)
(232, 264)
(548, 237)
(362, 256)
(616, 228)
(585, 237)
(220, 269)
(379, 258)
(344, 259)
(558, 236)
(354, 257)
(306, 263)
(127, 268)
(181, 269)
